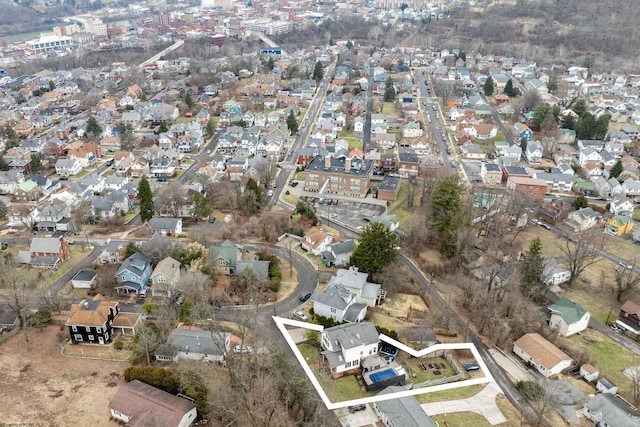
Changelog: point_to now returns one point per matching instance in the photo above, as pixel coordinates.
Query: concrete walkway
(483, 403)
(512, 367)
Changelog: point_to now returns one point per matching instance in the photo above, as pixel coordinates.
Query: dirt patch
(54, 390)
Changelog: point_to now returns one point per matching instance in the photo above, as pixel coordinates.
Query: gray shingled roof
(351, 335)
(404, 411)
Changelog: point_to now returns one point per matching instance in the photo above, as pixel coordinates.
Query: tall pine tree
(509, 89)
(146, 200)
(488, 86)
(531, 280)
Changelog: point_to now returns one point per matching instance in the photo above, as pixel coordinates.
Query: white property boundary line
(282, 322)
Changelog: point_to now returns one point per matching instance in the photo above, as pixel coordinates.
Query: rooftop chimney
(327, 161)
(347, 164)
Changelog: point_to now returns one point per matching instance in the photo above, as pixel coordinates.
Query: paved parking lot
(472, 169)
(348, 212)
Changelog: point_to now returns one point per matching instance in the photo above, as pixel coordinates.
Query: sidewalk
(483, 403)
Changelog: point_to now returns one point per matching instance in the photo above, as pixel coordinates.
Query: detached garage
(84, 279)
(541, 354)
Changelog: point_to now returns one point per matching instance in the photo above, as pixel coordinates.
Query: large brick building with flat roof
(341, 176)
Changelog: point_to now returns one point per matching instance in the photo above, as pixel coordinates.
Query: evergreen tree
(252, 185)
(531, 280)
(488, 87)
(202, 206)
(389, 91)
(188, 100)
(445, 212)
(376, 250)
(616, 170)
(35, 164)
(3, 210)
(4, 166)
(318, 72)
(580, 202)
(509, 89)
(210, 128)
(349, 45)
(163, 128)
(292, 122)
(271, 64)
(568, 122)
(580, 107)
(93, 129)
(146, 200)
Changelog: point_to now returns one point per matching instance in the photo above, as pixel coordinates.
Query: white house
(356, 282)
(316, 241)
(589, 155)
(534, 152)
(68, 167)
(620, 205)
(412, 130)
(631, 188)
(582, 219)
(187, 344)
(344, 346)
(541, 354)
(604, 385)
(165, 277)
(554, 273)
(589, 372)
(567, 317)
(339, 304)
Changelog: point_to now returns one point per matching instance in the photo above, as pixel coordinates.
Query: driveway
(357, 419)
(511, 366)
(483, 403)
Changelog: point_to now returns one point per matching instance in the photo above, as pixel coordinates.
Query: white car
(300, 315)
(242, 349)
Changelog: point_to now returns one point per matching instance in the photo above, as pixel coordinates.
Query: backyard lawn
(310, 353)
(452, 394)
(341, 389)
(389, 109)
(610, 358)
(417, 375)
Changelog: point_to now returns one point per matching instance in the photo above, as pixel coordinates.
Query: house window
(347, 365)
(92, 338)
(77, 337)
(99, 330)
(74, 329)
(356, 362)
(333, 310)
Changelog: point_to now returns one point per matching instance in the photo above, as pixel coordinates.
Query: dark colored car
(294, 184)
(356, 408)
(212, 219)
(470, 366)
(305, 296)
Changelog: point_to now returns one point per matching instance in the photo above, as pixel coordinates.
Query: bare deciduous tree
(625, 280)
(580, 254)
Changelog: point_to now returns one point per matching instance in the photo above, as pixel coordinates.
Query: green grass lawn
(595, 303)
(340, 389)
(389, 109)
(610, 358)
(460, 419)
(310, 353)
(452, 394)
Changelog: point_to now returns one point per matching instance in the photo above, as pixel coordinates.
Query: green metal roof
(568, 310)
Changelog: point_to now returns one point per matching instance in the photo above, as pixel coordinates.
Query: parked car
(294, 184)
(470, 366)
(305, 296)
(356, 408)
(162, 179)
(242, 349)
(212, 219)
(616, 328)
(300, 315)
(627, 266)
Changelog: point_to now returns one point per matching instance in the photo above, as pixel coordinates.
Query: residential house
(401, 412)
(84, 279)
(55, 217)
(390, 222)
(193, 344)
(46, 252)
(316, 241)
(344, 346)
(9, 181)
(338, 254)
(138, 403)
(556, 182)
(356, 282)
(605, 410)
(523, 132)
(619, 225)
(412, 130)
(223, 256)
(537, 188)
(133, 275)
(567, 317)
(166, 226)
(545, 357)
(603, 187)
(91, 321)
(534, 152)
(490, 173)
(631, 188)
(8, 318)
(629, 317)
(620, 205)
(554, 273)
(162, 167)
(472, 151)
(68, 167)
(338, 304)
(165, 277)
(113, 253)
(582, 219)
(408, 163)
